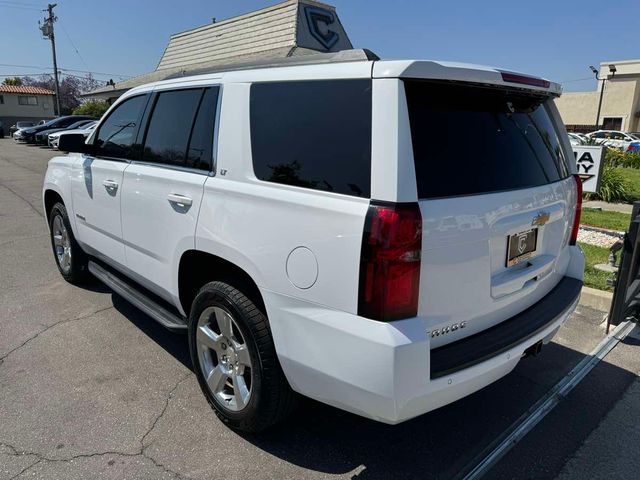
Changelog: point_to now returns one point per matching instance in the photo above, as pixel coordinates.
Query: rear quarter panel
(257, 224)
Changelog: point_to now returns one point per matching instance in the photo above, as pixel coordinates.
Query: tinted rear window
(470, 140)
(313, 134)
(170, 125)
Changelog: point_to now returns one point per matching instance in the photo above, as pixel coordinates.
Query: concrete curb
(597, 299)
(608, 231)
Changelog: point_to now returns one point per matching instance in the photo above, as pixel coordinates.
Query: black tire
(76, 270)
(271, 398)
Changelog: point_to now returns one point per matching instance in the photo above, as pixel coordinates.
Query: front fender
(58, 178)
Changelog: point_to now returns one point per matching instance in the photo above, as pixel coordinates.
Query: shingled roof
(25, 89)
(290, 28)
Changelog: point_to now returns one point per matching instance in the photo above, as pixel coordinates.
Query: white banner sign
(589, 161)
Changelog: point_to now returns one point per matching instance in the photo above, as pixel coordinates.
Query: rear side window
(313, 134)
(117, 133)
(180, 131)
(470, 140)
(199, 153)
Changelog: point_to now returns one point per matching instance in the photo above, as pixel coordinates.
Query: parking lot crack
(23, 199)
(39, 458)
(37, 461)
(162, 412)
(164, 467)
(61, 322)
(144, 446)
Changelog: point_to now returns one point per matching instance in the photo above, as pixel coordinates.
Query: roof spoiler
(353, 55)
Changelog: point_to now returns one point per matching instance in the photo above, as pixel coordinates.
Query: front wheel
(70, 259)
(235, 359)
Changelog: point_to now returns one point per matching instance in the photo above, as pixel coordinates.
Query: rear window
(470, 140)
(313, 134)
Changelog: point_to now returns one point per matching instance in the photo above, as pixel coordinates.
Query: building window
(27, 100)
(1, 99)
(612, 123)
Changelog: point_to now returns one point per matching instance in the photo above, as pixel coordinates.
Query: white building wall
(11, 110)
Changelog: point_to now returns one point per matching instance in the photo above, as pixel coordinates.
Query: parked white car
(614, 138)
(575, 139)
(86, 130)
(305, 229)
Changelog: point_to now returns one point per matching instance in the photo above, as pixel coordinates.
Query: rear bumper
(387, 371)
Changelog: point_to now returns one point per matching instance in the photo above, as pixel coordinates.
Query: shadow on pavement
(173, 343)
(439, 444)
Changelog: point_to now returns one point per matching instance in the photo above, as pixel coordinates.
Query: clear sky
(557, 39)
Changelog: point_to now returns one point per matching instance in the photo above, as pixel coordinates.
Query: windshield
(53, 121)
(509, 140)
(77, 124)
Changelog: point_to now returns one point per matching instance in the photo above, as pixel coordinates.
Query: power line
(39, 67)
(42, 74)
(18, 7)
(577, 80)
(24, 74)
(21, 4)
(73, 45)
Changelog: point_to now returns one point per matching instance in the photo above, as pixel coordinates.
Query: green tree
(94, 108)
(15, 81)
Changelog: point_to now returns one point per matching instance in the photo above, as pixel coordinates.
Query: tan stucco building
(24, 103)
(620, 103)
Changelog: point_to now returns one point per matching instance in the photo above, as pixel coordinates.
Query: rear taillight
(390, 261)
(576, 216)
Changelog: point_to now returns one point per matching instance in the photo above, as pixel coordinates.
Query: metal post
(604, 80)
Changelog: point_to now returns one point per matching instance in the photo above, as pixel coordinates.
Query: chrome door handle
(110, 185)
(179, 200)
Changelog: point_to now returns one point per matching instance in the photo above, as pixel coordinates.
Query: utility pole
(47, 32)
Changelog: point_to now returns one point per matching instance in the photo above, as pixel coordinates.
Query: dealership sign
(589, 166)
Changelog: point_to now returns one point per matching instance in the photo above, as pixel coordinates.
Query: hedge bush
(617, 158)
(614, 187)
(93, 108)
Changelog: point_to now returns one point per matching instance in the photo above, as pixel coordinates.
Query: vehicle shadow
(92, 284)
(439, 444)
(173, 343)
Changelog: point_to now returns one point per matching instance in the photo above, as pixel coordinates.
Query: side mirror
(73, 143)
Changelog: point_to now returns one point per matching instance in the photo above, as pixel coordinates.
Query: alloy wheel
(61, 244)
(224, 358)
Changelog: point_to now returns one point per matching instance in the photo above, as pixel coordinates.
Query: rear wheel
(70, 259)
(235, 360)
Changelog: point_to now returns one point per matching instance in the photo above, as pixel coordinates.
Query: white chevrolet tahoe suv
(322, 228)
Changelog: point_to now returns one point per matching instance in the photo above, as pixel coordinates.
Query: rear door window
(313, 134)
(170, 126)
(200, 151)
(471, 140)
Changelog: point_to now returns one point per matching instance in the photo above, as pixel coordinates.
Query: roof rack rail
(353, 55)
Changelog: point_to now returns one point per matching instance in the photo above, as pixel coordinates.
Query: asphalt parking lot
(92, 388)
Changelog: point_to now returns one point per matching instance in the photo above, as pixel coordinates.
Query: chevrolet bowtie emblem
(540, 219)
